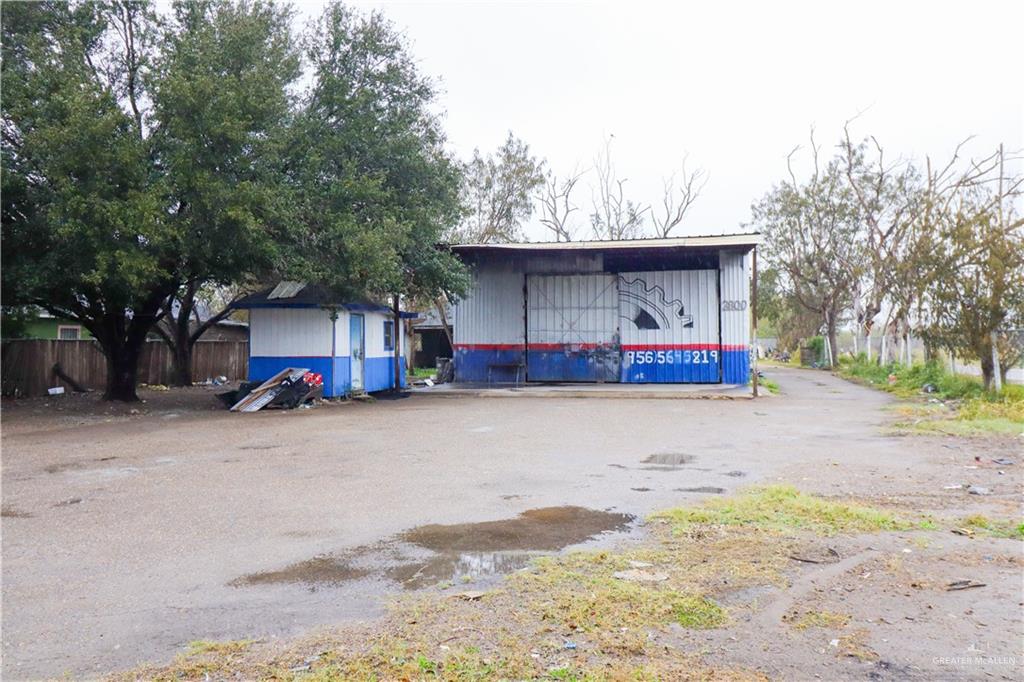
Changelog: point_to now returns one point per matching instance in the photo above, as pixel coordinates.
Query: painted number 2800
(671, 357)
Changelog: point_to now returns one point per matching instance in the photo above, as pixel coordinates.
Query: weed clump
(782, 507)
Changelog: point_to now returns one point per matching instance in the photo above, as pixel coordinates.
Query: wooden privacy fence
(27, 364)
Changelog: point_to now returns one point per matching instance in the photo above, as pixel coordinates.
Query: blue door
(357, 345)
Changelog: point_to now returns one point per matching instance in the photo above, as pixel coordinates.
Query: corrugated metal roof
(749, 239)
(286, 290)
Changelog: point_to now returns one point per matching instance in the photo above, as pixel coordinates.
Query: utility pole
(397, 334)
(753, 311)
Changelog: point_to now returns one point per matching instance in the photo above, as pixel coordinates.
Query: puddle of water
(427, 555)
(709, 489)
(457, 567)
(547, 529)
(670, 459)
(318, 570)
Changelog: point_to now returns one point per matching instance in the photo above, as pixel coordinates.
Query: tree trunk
(987, 369)
(182, 357)
(122, 371)
(833, 341)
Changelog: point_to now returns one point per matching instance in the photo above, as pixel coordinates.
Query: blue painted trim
(736, 367)
(556, 365)
(474, 365)
(670, 367)
(262, 368)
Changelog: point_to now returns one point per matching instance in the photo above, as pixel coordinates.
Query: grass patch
(971, 410)
(819, 619)
(999, 528)
(769, 385)
(422, 372)
(200, 647)
(781, 507)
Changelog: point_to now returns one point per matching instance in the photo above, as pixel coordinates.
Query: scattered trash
(56, 390)
(68, 503)
(834, 643)
(570, 645)
(157, 387)
(637, 575)
(966, 532)
(469, 595)
(892, 379)
(428, 382)
(929, 388)
(289, 388)
(300, 668)
(831, 556)
(978, 490)
(219, 381)
(963, 585)
(952, 486)
(1003, 462)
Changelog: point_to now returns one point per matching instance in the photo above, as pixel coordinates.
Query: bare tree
(614, 216)
(810, 232)
(556, 204)
(498, 191)
(677, 199)
(895, 201)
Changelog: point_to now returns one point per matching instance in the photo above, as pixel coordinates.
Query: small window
(389, 334)
(69, 332)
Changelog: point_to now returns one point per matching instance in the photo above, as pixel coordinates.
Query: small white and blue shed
(353, 345)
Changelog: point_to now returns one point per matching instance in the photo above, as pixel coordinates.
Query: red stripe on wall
(672, 346)
(488, 346)
(591, 346)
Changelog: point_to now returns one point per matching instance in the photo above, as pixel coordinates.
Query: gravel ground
(130, 531)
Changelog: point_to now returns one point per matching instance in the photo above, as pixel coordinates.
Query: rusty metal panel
(735, 285)
(572, 327)
(669, 323)
(489, 327)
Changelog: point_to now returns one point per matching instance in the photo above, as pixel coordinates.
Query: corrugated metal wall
(572, 327)
(735, 287)
(490, 343)
(695, 325)
(669, 323)
(291, 332)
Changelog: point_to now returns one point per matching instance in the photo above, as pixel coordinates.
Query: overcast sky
(735, 85)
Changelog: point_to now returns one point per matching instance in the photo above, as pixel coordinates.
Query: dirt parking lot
(128, 535)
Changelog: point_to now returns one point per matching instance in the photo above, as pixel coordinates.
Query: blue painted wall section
(478, 364)
(379, 372)
(559, 365)
(262, 368)
(736, 366)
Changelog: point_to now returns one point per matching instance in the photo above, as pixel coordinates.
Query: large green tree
(85, 233)
(220, 114)
(374, 187)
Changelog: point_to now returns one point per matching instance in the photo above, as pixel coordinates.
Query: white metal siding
(683, 304)
(572, 310)
(735, 298)
(289, 332)
(492, 312)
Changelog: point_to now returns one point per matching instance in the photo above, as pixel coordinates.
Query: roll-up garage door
(572, 328)
(669, 323)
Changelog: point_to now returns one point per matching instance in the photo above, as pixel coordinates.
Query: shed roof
(302, 295)
(741, 241)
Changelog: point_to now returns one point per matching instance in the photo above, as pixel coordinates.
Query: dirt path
(123, 540)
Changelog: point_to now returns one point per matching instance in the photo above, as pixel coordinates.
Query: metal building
(351, 344)
(634, 311)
